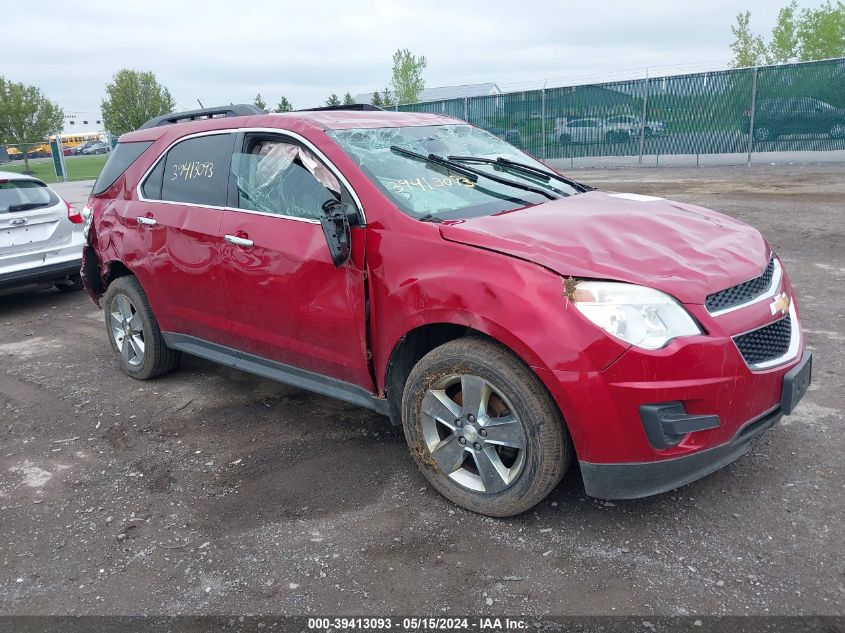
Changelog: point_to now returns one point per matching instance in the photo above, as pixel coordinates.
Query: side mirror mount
(335, 222)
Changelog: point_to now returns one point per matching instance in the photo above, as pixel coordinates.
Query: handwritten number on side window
(192, 169)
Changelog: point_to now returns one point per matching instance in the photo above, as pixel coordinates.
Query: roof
(15, 175)
(297, 121)
(443, 93)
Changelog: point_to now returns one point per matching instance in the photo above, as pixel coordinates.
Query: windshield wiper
(470, 172)
(524, 168)
(26, 206)
(467, 172)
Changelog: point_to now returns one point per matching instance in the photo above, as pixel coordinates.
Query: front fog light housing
(638, 315)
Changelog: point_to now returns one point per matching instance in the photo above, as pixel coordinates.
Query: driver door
(286, 299)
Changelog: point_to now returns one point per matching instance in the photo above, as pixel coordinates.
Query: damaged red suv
(509, 318)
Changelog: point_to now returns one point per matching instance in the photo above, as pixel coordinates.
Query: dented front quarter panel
(419, 279)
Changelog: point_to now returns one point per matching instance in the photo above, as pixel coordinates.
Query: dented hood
(678, 248)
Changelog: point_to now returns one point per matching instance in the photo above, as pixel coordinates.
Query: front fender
(518, 303)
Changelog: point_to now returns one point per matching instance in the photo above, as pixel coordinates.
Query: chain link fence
(741, 112)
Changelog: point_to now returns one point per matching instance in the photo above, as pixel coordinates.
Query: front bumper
(631, 481)
(635, 480)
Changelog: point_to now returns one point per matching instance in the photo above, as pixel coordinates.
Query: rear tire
(516, 429)
(134, 333)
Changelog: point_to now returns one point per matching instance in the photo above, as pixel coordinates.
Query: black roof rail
(203, 113)
(352, 106)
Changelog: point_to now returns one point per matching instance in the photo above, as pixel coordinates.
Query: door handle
(146, 221)
(238, 241)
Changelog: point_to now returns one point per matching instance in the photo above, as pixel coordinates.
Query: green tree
(27, 115)
(376, 99)
(259, 102)
(284, 105)
(132, 98)
(748, 48)
(821, 32)
(348, 99)
(333, 100)
(407, 81)
(784, 43)
(808, 35)
(387, 98)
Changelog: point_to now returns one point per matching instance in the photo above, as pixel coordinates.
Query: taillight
(72, 214)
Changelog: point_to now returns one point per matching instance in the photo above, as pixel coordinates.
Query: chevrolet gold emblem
(780, 304)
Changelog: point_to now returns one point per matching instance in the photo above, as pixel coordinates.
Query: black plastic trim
(367, 107)
(643, 479)
(42, 273)
(274, 370)
(241, 109)
(667, 423)
(796, 382)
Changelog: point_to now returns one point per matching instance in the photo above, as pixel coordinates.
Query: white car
(630, 125)
(41, 237)
(586, 130)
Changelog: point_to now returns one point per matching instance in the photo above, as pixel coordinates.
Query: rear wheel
(483, 429)
(763, 133)
(134, 333)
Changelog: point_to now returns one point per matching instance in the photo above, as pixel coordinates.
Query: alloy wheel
(127, 330)
(472, 433)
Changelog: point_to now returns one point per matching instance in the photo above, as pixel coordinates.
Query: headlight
(641, 316)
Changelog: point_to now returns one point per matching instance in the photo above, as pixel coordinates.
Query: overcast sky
(222, 52)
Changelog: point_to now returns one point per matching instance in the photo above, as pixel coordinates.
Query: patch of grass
(78, 167)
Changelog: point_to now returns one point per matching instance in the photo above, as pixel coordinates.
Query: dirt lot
(211, 491)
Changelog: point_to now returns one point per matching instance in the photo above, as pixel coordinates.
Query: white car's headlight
(641, 316)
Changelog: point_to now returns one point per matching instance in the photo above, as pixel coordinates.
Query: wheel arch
(114, 269)
(423, 338)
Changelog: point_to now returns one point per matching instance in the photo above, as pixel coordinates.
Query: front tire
(837, 131)
(483, 429)
(134, 333)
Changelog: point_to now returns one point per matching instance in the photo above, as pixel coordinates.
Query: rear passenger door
(287, 300)
(177, 218)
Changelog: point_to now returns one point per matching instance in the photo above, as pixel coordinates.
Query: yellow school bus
(73, 140)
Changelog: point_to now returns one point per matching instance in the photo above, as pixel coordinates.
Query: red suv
(511, 319)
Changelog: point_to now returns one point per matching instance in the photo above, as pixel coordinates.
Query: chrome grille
(741, 293)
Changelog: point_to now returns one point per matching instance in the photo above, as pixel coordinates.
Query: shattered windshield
(427, 190)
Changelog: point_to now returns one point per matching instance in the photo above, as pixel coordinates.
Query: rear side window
(196, 171)
(152, 185)
(23, 195)
(121, 158)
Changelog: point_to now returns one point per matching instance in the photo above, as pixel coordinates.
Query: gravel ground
(212, 491)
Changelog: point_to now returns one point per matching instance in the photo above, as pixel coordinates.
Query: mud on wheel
(483, 429)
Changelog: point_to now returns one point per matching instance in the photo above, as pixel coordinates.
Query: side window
(196, 171)
(152, 185)
(283, 178)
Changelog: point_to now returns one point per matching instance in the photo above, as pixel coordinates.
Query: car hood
(682, 249)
